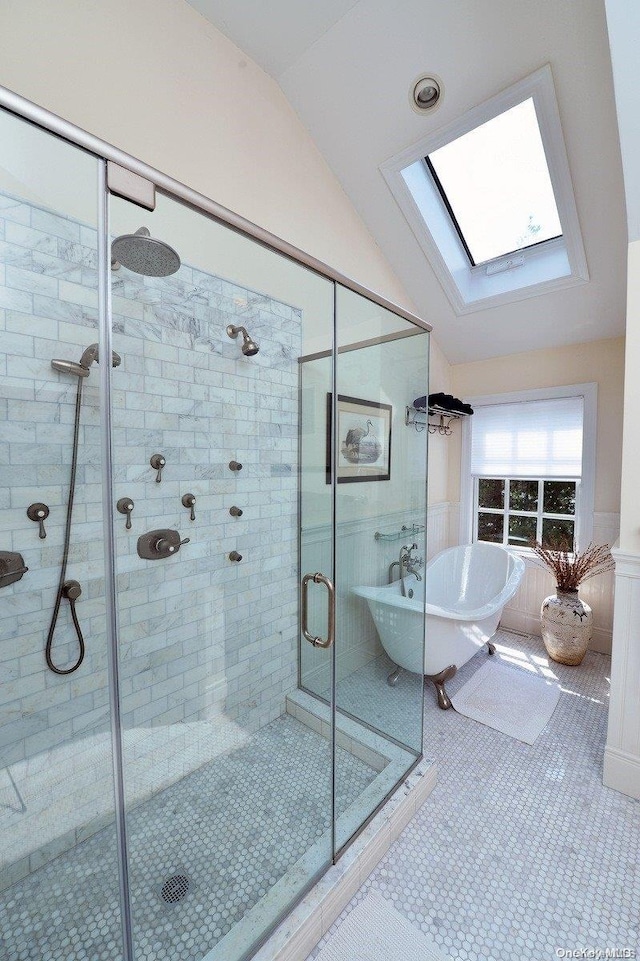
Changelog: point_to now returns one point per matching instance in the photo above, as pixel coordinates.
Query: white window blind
(538, 438)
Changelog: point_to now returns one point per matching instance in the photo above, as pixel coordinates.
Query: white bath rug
(508, 700)
(374, 931)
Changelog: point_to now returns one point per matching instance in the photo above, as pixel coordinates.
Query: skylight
(479, 198)
(496, 185)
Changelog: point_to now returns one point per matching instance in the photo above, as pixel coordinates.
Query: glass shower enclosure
(203, 458)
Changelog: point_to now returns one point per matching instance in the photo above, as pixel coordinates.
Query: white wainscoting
(622, 752)
(523, 611)
(438, 529)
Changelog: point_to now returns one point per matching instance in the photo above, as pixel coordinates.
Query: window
(495, 183)
(529, 464)
(513, 512)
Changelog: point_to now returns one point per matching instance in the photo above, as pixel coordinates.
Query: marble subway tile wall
(200, 632)
(43, 257)
(199, 635)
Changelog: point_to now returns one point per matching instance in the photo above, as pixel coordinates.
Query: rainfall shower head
(249, 346)
(143, 254)
(88, 357)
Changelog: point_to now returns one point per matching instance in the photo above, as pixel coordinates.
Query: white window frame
(552, 265)
(585, 495)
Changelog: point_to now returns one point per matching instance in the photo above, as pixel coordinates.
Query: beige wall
(439, 447)
(601, 362)
(157, 80)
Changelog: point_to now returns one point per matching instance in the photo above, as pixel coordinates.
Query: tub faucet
(407, 565)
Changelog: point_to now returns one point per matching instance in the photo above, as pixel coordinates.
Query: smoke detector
(425, 93)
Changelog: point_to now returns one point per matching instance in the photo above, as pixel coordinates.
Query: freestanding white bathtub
(466, 589)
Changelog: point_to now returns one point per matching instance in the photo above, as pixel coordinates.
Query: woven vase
(567, 624)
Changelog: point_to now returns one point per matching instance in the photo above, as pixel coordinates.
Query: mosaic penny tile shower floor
(223, 836)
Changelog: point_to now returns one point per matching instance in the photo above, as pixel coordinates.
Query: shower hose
(69, 589)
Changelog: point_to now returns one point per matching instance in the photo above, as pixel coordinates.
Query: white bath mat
(508, 700)
(374, 931)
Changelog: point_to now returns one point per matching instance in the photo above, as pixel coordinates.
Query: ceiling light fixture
(425, 93)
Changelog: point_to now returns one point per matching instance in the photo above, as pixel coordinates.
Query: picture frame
(363, 431)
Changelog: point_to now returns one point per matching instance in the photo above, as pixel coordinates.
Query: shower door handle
(319, 578)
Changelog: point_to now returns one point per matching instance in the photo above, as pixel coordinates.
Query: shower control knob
(234, 556)
(189, 501)
(234, 465)
(164, 546)
(158, 462)
(159, 544)
(235, 511)
(168, 545)
(38, 512)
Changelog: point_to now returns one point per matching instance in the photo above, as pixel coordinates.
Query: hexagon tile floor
(234, 827)
(520, 853)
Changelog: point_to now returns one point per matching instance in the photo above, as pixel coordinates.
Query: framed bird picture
(363, 440)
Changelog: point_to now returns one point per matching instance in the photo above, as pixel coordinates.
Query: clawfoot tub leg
(392, 680)
(491, 647)
(440, 680)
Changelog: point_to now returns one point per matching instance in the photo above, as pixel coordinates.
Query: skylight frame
(548, 265)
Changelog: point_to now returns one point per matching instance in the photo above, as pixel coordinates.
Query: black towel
(444, 402)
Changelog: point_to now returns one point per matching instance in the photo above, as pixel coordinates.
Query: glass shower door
(227, 780)
(379, 472)
(361, 456)
(59, 891)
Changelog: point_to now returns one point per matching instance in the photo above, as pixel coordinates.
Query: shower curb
(298, 934)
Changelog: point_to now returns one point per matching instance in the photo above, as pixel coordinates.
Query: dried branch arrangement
(570, 569)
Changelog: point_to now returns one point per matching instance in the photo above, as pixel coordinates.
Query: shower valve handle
(124, 506)
(158, 461)
(189, 501)
(38, 512)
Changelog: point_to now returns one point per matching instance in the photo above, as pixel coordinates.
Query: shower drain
(175, 888)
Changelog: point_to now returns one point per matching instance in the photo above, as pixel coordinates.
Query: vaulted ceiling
(347, 68)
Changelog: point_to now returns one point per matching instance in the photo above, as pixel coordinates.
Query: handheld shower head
(91, 355)
(70, 367)
(249, 347)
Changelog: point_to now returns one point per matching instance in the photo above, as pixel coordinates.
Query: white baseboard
(621, 771)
